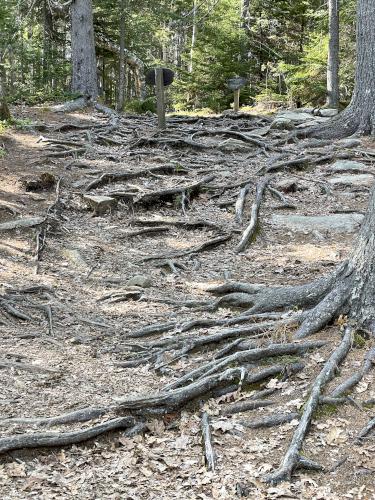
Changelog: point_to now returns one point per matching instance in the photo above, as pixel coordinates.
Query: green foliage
(268, 99)
(140, 107)
(281, 48)
(306, 81)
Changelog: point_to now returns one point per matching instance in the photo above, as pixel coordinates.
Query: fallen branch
(209, 453)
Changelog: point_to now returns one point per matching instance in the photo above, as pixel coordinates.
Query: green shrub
(138, 106)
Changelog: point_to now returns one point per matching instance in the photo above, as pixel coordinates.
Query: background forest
(281, 46)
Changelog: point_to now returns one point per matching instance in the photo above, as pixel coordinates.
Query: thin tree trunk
(245, 13)
(4, 110)
(333, 54)
(193, 37)
(84, 78)
(122, 62)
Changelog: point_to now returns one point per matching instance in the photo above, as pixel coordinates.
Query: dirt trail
(72, 350)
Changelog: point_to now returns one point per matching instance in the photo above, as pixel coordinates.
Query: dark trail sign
(236, 83)
(168, 77)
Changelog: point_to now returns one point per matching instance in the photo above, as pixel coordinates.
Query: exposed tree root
(41, 439)
(349, 383)
(196, 249)
(68, 418)
(366, 430)
(245, 356)
(251, 228)
(243, 406)
(290, 461)
(232, 133)
(271, 421)
(108, 178)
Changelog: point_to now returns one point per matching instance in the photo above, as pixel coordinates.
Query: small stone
(140, 280)
(289, 186)
(100, 204)
(39, 182)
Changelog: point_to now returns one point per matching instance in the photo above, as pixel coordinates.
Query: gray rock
(349, 143)
(100, 204)
(295, 116)
(282, 124)
(75, 257)
(235, 145)
(338, 223)
(140, 280)
(347, 166)
(328, 112)
(366, 180)
(21, 223)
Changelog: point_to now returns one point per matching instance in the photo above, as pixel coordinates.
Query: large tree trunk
(359, 116)
(84, 78)
(333, 55)
(362, 264)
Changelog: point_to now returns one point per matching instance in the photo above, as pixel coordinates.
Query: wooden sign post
(160, 101)
(236, 102)
(236, 85)
(160, 78)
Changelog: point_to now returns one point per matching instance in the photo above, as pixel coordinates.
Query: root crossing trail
(175, 310)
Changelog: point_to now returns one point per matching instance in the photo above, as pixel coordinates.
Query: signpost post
(160, 101)
(160, 78)
(236, 85)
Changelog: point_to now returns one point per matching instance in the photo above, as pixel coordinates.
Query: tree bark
(84, 77)
(359, 116)
(333, 94)
(4, 110)
(193, 37)
(122, 62)
(362, 264)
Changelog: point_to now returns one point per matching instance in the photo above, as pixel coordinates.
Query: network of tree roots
(192, 205)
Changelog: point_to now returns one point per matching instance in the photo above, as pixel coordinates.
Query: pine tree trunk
(4, 110)
(333, 54)
(84, 78)
(359, 116)
(362, 264)
(122, 62)
(193, 37)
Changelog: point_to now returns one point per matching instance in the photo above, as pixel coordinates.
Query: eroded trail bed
(87, 278)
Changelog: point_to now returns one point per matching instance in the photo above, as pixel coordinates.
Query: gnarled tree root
(291, 458)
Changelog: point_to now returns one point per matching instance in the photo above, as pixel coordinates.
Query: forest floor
(95, 288)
